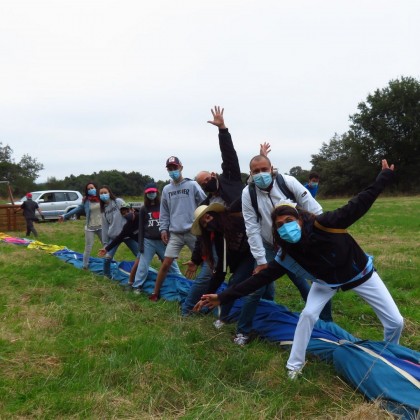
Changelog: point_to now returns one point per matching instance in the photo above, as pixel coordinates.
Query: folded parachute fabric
(45, 247)
(379, 370)
(16, 241)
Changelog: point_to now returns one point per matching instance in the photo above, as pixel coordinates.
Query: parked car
(54, 203)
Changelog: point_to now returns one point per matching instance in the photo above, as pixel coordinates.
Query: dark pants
(30, 228)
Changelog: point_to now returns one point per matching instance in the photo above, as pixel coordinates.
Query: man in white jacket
(258, 229)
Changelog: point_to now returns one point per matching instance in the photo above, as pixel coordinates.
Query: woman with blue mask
(112, 224)
(319, 248)
(150, 242)
(90, 208)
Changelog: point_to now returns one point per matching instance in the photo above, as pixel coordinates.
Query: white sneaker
(137, 291)
(218, 324)
(293, 374)
(241, 339)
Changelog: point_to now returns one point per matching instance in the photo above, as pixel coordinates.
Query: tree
(300, 174)
(21, 175)
(388, 126)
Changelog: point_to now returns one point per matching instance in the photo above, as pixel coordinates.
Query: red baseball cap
(28, 195)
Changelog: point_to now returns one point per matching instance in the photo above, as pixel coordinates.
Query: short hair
(313, 175)
(258, 158)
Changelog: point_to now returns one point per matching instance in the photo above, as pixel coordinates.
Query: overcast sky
(99, 85)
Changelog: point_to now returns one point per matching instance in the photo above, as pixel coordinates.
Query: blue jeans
(199, 286)
(242, 272)
(132, 245)
(151, 247)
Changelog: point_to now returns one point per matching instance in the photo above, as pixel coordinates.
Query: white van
(54, 203)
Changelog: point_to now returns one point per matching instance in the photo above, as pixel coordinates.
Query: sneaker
(241, 339)
(137, 291)
(293, 374)
(154, 297)
(218, 324)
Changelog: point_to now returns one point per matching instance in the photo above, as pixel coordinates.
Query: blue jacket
(81, 209)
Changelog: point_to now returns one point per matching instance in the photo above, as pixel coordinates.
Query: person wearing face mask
(258, 227)
(320, 248)
(224, 188)
(179, 200)
(313, 184)
(112, 224)
(90, 207)
(223, 236)
(149, 239)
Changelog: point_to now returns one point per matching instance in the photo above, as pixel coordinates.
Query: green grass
(73, 344)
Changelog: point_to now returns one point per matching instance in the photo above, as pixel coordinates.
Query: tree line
(387, 125)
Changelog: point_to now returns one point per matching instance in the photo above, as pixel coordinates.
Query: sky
(100, 85)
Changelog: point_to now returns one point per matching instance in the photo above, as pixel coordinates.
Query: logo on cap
(173, 160)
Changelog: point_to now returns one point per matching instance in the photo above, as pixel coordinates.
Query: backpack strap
(254, 201)
(329, 230)
(284, 188)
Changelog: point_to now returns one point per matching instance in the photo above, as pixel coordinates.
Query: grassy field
(73, 344)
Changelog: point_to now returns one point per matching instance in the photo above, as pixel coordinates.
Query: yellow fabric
(46, 247)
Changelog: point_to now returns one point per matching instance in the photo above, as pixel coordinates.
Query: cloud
(88, 85)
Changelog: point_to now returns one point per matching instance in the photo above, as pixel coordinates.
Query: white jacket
(259, 232)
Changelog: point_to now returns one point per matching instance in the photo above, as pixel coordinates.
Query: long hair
(111, 196)
(86, 190)
(148, 201)
(230, 226)
(298, 212)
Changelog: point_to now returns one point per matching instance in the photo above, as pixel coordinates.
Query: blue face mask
(263, 179)
(151, 196)
(104, 197)
(290, 232)
(92, 191)
(174, 174)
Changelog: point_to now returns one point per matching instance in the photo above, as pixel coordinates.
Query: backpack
(283, 187)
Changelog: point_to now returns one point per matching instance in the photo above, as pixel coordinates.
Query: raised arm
(230, 162)
(358, 206)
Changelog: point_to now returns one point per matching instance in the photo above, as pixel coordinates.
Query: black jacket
(332, 257)
(237, 249)
(230, 181)
(129, 230)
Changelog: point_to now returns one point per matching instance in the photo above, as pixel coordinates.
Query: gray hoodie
(112, 220)
(178, 204)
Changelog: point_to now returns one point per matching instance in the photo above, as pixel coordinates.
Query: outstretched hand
(386, 166)
(208, 301)
(218, 119)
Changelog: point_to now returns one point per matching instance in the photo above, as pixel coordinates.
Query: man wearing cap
(29, 207)
(179, 200)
